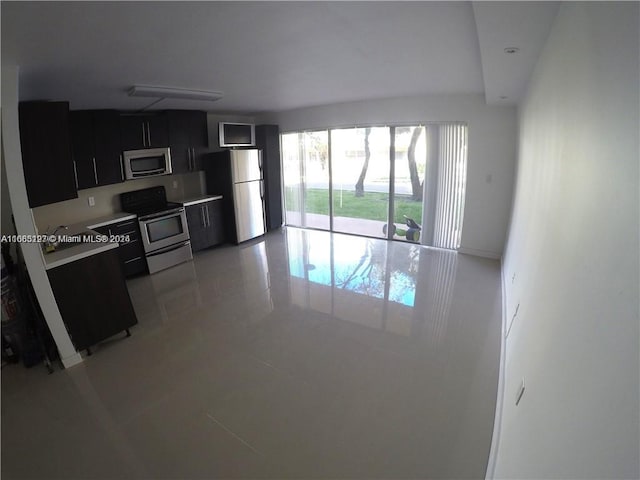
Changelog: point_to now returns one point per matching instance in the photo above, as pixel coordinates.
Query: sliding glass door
(360, 172)
(404, 182)
(409, 165)
(305, 163)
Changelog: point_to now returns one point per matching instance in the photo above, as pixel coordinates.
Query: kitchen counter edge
(84, 250)
(202, 199)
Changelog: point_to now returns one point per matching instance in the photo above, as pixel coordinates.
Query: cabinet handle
(144, 137)
(148, 135)
(133, 260)
(193, 156)
(95, 171)
(204, 222)
(121, 168)
(75, 173)
(188, 159)
(206, 208)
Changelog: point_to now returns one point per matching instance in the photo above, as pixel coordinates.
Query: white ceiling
(269, 56)
(500, 25)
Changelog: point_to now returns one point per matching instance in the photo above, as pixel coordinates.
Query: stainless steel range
(163, 226)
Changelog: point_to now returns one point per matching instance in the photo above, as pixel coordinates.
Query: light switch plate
(92, 201)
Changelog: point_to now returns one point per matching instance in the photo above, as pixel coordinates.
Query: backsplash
(107, 199)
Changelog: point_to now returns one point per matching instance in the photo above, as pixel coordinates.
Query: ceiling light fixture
(173, 92)
(511, 50)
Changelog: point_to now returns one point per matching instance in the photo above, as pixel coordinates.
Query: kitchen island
(88, 283)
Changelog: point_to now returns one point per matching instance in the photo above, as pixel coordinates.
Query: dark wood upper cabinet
(46, 152)
(139, 131)
(188, 139)
(95, 139)
(106, 129)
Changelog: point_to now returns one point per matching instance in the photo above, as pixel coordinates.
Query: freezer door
(246, 165)
(249, 210)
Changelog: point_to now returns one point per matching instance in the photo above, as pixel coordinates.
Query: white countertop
(83, 249)
(199, 199)
(108, 219)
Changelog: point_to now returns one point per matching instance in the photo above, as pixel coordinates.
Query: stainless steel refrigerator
(237, 176)
(248, 193)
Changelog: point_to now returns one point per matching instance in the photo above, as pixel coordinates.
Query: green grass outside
(372, 206)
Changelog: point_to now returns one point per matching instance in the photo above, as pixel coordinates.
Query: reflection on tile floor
(301, 355)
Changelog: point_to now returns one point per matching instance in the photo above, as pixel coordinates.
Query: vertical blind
(452, 174)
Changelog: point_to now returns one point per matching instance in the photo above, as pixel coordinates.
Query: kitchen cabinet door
(188, 139)
(199, 138)
(93, 299)
(133, 132)
(108, 151)
(268, 140)
(216, 234)
(205, 224)
(131, 253)
(83, 148)
(139, 131)
(196, 220)
(95, 139)
(46, 152)
(158, 130)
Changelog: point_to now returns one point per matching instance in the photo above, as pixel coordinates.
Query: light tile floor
(304, 354)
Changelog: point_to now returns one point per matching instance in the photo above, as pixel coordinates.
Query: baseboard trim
(497, 422)
(72, 360)
(479, 253)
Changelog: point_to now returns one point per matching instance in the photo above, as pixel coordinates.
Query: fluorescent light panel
(173, 92)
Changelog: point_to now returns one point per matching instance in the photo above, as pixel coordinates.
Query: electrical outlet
(92, 201)
(520, 392)
(175, 184)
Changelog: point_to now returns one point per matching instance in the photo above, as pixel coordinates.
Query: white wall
(492, 151)
(574, 250)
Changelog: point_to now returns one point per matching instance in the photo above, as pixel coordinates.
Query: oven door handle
(164, 213)
(169, 248)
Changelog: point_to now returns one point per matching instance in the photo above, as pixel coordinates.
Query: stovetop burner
(146, 201)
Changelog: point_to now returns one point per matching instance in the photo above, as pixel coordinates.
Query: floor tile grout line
(212, 418)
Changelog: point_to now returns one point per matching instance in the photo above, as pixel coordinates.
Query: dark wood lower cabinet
(206, 226)
(93, 299)
(131, 253)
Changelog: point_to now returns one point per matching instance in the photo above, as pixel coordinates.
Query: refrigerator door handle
(260, 161)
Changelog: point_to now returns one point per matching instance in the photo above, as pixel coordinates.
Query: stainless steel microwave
(149, 162)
